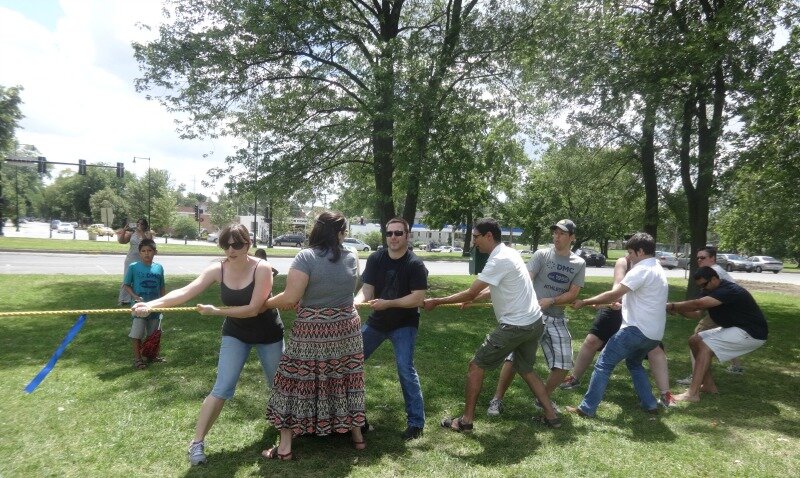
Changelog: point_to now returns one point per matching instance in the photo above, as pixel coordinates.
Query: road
(82, 264)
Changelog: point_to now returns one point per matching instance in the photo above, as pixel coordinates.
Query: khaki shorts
(142, 327)
(504, 339)
(729, 342)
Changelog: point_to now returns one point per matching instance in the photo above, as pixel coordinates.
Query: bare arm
(366, 294)
(611, 296)
(468, 295)
(415, 299)
(124, 236)
(296, 283)
(566, 298)
(693, 309)
(179, 296)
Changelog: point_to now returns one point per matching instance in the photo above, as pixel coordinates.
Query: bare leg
(506, 377)
(540, 392)
(475, 376)
(658, 367)
(209, 412)
(358, 438)
(701, 374)
(285, 445)
(589, 348)
(137, 349)
(555, 379)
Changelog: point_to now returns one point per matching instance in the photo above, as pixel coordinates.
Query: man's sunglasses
(395, 233)
(235, 245)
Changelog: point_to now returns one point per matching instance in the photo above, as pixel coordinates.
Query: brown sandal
(457, 425)
(360, 445)
(139, 364)
(272, 454)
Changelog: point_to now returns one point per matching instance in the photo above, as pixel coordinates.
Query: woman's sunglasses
(235, 245)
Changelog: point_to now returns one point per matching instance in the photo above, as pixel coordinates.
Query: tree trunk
(647, 157)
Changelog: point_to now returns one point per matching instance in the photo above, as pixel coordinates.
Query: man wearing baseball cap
(558, 275)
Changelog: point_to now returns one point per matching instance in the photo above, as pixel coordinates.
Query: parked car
(766, 263)
(591, 256)
(296, 240)
(66, 227)
(357, 243)
(101, 229)
(734, 262)
(667, 259)
(54, 224)
(684, 260)
(213, 237)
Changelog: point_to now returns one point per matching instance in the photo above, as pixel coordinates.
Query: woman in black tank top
(245, 284)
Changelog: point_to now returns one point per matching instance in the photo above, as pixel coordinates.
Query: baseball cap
(565, 225)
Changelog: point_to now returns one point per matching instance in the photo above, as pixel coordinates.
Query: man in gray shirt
(558, 276)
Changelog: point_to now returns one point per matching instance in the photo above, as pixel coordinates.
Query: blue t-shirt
(146, 281)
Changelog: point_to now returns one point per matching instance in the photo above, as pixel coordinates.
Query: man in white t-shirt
(644, 297)
(519, 324)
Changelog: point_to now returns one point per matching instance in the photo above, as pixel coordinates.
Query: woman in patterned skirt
(319, 387)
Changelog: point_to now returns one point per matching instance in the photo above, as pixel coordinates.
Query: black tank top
(265, 328)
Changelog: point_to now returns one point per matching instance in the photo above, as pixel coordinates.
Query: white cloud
(79, 98)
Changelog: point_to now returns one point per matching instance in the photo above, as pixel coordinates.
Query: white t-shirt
(645, 306)
(513, 298)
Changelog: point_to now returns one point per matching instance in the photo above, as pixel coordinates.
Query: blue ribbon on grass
(60, 350)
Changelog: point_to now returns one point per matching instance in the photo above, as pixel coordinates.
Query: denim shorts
(504, 339)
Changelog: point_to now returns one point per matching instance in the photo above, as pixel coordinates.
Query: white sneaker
(495, 407)
(685, 381)
(196, 453)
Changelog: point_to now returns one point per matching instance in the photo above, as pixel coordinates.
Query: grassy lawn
(96, 416)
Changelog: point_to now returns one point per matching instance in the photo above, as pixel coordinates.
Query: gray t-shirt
(553, 275)
(330, 284)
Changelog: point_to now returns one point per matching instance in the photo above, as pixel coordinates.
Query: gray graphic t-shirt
(553, 275)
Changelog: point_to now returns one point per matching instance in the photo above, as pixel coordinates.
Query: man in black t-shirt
(395, 281)
(742, 327)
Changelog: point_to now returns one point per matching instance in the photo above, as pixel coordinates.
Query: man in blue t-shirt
(144, 281)
(395, 281)
(742, 327)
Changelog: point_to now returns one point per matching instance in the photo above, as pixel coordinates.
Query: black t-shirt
(393, 279)
(738, 309)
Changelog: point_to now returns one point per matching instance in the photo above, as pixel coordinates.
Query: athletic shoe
(538, 405)
(495, 407)
(685, 381)
(196, 453)
(569, 383)
(734, 369)
(412, 432)
(667, 400)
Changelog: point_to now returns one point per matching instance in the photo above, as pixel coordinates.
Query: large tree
(317, 86)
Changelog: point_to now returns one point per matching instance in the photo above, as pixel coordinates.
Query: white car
(357, 243)
(766, 263)
(66, 228)
(102, 229)
(667, 260)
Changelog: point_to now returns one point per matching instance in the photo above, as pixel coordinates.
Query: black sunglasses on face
(395, 233)
(235, 245)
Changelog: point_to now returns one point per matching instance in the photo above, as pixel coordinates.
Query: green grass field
(95, 416)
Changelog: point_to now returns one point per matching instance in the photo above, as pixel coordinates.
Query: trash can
(477, 261)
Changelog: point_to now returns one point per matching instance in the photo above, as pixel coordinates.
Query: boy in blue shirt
(144, 281)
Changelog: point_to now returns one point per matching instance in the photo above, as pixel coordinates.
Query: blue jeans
(404, 340)
(232, 356)
(631, 345)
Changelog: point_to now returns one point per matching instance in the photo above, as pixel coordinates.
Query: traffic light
(41, 165)
(196, 212)
(82, 167)
(267, 217)
(120, 170)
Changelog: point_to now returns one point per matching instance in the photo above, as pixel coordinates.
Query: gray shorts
(557, 343)
(504, 339)
(142, 327)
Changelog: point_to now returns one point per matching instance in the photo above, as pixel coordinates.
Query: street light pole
(149, 188)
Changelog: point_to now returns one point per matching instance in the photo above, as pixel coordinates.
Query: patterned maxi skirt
(319, 386)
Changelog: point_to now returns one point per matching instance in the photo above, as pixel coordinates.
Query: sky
(75, 62)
